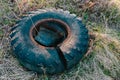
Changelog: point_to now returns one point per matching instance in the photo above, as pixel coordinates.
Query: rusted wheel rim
(35, 29)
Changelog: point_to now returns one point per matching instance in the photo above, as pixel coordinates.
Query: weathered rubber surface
(50, 60)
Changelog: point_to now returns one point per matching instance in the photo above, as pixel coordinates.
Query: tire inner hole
(49, 33)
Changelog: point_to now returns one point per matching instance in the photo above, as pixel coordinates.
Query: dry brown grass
(101, 18)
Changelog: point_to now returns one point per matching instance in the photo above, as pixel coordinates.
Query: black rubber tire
(49, 60)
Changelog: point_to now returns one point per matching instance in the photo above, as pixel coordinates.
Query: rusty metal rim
(50, 19)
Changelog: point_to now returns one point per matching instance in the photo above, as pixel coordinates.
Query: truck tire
(49, 41)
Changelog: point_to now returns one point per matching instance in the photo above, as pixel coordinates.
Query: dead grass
(101, 18)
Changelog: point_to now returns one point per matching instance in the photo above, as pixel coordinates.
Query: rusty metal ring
(34, 27)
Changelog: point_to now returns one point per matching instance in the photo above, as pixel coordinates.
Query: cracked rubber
(49, 60)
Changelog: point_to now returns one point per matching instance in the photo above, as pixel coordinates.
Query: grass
(103, 20)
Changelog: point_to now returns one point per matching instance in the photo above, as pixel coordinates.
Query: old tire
(46, 52)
